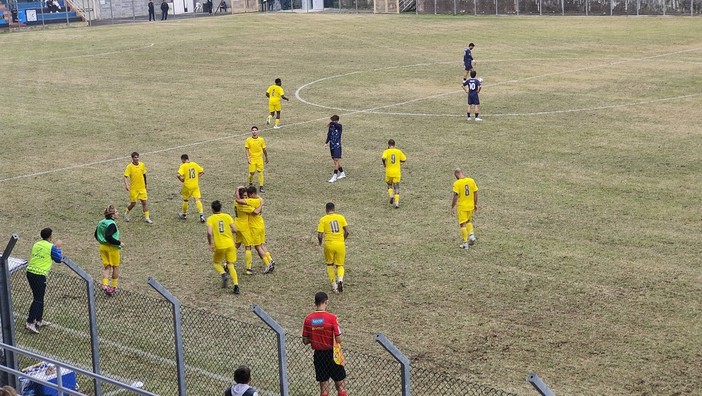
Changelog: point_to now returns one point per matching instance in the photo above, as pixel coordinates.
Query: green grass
(587, 263)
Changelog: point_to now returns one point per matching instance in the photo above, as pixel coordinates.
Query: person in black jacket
(164, 10)
(152, 13)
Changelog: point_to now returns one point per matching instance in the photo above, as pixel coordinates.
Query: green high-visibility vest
(40, 263)
(102, 228)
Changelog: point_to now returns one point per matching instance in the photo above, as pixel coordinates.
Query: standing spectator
(274, 93)
(43, 252)
(474, 87)
(465, 194)
(241, 387)
(164, 10)
(208, 4)
(223, 6)
(393, 159)
(333, 229)
(135, 179)
(107, 234)
(320, 330)
(220, 237)
(152, 13)
(256, 154)
(334, 142)
(189, 174)
(468, 60)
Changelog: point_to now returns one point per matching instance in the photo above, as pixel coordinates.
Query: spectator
(57, 6)
(209, 6)
(164, 10)
(43, 252)
(152, 13)
(7, 390)
(321, 330)
(223, 6)
(240, 386)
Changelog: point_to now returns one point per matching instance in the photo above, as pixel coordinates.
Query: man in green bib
(44, 253)
(107, 234)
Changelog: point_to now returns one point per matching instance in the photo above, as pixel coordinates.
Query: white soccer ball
(480, 79)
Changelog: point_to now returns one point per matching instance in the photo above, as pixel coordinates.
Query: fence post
(539, 385)
(401, 358)
(94, 340)
(8, 358)
(177, 326)
(282, 356)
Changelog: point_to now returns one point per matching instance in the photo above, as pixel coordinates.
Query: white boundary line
(626, 60)
(375, 109)
(6, 62)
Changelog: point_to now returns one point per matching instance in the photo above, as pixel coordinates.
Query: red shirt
(321, 327)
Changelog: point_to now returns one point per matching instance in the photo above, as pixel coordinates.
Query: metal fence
(558, 7)
(139, 343)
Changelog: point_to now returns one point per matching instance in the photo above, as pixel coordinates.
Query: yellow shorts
(110, 255)
(258, 236)
(256, 166)
(191, 193)
(228, 254)
(392, 180)
(464, 216)
(243, 236)
(137, 194)
(274, 106)
(334, 253)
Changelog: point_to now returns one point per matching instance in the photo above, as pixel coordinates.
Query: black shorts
(325, 368)
(335, 152)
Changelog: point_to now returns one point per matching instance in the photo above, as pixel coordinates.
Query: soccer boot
(260, 189)
(464, 245)
(340, 286)
(182, 216)
(341, 175)
(249, 271)
(225, 280)
(148, 220)
(471, 240)
(202, 218)
(478, 119)
(31, 327)
(333, 178)
(236, 289)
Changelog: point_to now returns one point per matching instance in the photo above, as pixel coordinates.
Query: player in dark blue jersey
(468, 60)
(334, 142)
(473, 88)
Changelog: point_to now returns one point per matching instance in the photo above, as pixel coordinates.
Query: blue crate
(39, 371)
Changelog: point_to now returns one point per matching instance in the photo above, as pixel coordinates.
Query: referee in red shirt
(319, 330)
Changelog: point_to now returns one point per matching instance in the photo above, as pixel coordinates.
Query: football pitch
(587, 264)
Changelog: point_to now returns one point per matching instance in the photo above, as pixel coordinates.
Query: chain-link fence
(556, 7)
(137, 345)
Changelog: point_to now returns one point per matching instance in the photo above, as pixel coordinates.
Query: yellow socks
(469, 227)
(199, 207)
(146, 214)
(218, 267)
(464, 233)
(104, 282)
(184, 208)
(390, 192)
(340, 272)
(268, 256)
(397, 199)
(114, 282)
(331, 274)
(250, 178)
(248, 258)
(260, 178)
(277, 121)
(233, 274)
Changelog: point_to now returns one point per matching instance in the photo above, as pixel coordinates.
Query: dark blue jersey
(467, 56)
(334, 135)
(473, 84)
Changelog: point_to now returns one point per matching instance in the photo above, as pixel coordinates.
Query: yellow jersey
(393, 158)
(255, 147)
(221, 230)
(465, 189)
(274, 93)
(255, 220)
(242, 212)
(136, 176)
(190, 171)
(332, 225)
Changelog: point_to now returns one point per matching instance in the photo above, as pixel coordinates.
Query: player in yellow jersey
(135, 184)
(242, 211)
(333, 230)
(220, 237)
(465, 194)
(393, 159)
(274, 93)
(258, 229)
(256, 156)
(189, 174)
